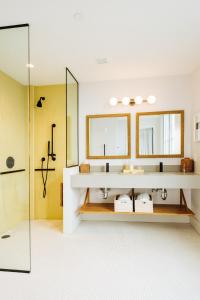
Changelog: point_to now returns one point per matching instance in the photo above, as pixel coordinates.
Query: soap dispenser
(107, 167)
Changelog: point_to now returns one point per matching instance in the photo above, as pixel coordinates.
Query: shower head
(39, 103)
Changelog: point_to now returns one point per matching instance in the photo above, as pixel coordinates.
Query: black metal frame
(12, 27)
(68, 71)
(14, 171)
(15, 271)
(45, 169)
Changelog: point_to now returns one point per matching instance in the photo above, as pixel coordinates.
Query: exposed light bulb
(30, 66)
(151, 99)
(113, 101)
(138, 100)
(126, 100)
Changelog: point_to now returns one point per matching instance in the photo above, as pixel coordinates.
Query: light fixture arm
(132, 101)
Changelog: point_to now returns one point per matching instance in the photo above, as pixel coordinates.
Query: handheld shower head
(39, 103)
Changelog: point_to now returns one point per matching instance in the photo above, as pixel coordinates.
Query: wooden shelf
(159, 209)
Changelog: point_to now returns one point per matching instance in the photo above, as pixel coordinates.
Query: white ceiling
(139, 38)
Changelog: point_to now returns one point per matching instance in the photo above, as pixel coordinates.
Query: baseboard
(127, 218)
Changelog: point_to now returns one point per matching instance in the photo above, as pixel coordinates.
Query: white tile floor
(109, 261)
(15, 251)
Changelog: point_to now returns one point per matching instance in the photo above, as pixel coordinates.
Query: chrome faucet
(105, 190)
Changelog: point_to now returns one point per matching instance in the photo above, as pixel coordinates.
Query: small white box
(144, 203)
(123, 203)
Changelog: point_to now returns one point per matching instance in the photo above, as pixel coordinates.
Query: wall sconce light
(132, 101)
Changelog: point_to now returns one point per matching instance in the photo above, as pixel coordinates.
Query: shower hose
(45, 175)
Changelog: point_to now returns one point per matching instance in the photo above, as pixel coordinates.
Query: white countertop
(173, 180)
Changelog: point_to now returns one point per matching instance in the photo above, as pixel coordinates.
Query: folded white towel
(144, 197)
(124, 197)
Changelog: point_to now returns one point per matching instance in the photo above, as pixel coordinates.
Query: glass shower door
(14, 149)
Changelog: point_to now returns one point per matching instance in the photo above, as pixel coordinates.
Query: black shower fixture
(50, 154)
(39, 103)
(50, 144)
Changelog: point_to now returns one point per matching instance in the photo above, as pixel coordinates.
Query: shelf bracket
(183, 202)
(87, 197)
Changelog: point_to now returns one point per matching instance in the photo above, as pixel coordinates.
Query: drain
(6, 236)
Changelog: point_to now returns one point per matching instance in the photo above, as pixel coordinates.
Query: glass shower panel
(14, 149)
(72, 89)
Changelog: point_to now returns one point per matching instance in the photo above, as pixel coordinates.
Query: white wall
(172, 93)
(196, 149)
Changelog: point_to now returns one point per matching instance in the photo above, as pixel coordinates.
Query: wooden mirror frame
(181, 112)
(89, 117)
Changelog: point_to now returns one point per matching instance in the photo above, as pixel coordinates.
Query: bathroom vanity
(129, 181)
(78, 186)
(158, 135)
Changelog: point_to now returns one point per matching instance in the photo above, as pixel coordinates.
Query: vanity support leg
(182, 199)
(132, 196)
(132, 192)
(87, 197)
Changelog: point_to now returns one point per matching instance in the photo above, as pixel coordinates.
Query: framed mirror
(160, 134)
(108, 136)
(72, 94)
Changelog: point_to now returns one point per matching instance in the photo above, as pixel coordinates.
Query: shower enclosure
(14, 149)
